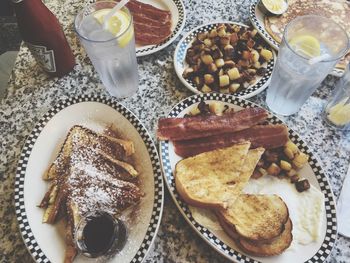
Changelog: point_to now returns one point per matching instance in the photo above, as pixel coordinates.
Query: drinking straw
(113, 11)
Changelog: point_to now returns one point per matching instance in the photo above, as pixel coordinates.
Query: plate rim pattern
(157, 210)
(330, 208)
(179, 56)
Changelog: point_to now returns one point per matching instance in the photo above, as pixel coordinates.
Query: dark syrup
(99, 234)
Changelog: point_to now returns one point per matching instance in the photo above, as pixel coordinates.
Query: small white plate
(178, 19)
(315, 252)
(257, 19)
(180, 63)
(46, 242)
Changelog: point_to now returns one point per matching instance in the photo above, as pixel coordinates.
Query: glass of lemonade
(110, 47)
(297, 72)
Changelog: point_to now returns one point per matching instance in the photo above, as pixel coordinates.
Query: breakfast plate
(315, 251)
(46, 242)
(257, 18)
(180, 63)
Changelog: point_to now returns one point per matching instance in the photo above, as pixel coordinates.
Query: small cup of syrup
(100, 235)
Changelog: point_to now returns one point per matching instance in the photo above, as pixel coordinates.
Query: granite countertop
(31, 93)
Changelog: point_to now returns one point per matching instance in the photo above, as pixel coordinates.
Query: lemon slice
(275, 6)
(306, 45)
(117, 25)
(339, 114)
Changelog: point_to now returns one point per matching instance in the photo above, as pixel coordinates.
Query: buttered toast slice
(256, 217)
(81, 136)
(261, 248)
(213, 179)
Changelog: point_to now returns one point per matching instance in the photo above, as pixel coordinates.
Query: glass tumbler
(337, 110)
(113, 55)
(297, 73)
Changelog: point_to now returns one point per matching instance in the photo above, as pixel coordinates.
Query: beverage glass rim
(334, 58)
(107, 40)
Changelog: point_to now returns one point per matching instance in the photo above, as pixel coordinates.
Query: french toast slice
(256, 217)
(81, 136)
(214, 179)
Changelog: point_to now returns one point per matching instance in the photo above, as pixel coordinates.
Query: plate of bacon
(246, 183)
(157, 23)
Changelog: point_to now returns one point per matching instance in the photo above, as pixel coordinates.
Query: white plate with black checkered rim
(180, 63)
(178, 19)
(257, 19)
(220, 241)
(93, 104)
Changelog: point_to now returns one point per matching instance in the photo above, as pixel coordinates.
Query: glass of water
(110, 46)
(311, 47)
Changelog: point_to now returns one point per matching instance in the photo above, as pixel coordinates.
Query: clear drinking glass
(113, 56)
(337, 110)
(294, 78)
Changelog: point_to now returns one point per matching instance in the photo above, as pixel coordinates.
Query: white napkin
(343, 207)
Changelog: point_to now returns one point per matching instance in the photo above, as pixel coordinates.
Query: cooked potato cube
(285, 165)
(207, 59)
(262, 171)
(202, 36)
(252, 72)
(246, 54)
(255, 56)
(273, 169)
(266, 54)
(234, 38)
(257, 65)
(195, 111)
(256, 174)
(208, 42)
(228, 51)
(233, 73)
(208, 79)
(217, 108)
(221, 31)
(292, 146)
(219, 62)
(206, 89)
(250, 43)
(213, 33)
(224, 80)
(198, 81)
(288, 152)
(216, 52)
(234, 87)
(187, 72)
(295, 178)
(253, 32)
(212, 67)
(225, 90)
(300, 159)
(221, 72)
(302, 185)
(291, 172)
(225, 40)
(229, 64)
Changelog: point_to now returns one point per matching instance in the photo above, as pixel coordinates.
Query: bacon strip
(142, 18)
(266, 136)
(149, 10)
(208, 125)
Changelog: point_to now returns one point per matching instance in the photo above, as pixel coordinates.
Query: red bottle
(44, 37)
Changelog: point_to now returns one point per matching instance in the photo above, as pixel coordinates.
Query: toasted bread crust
(275, 247)
(257, 217)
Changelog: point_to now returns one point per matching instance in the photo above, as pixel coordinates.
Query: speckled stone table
(32, 93)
